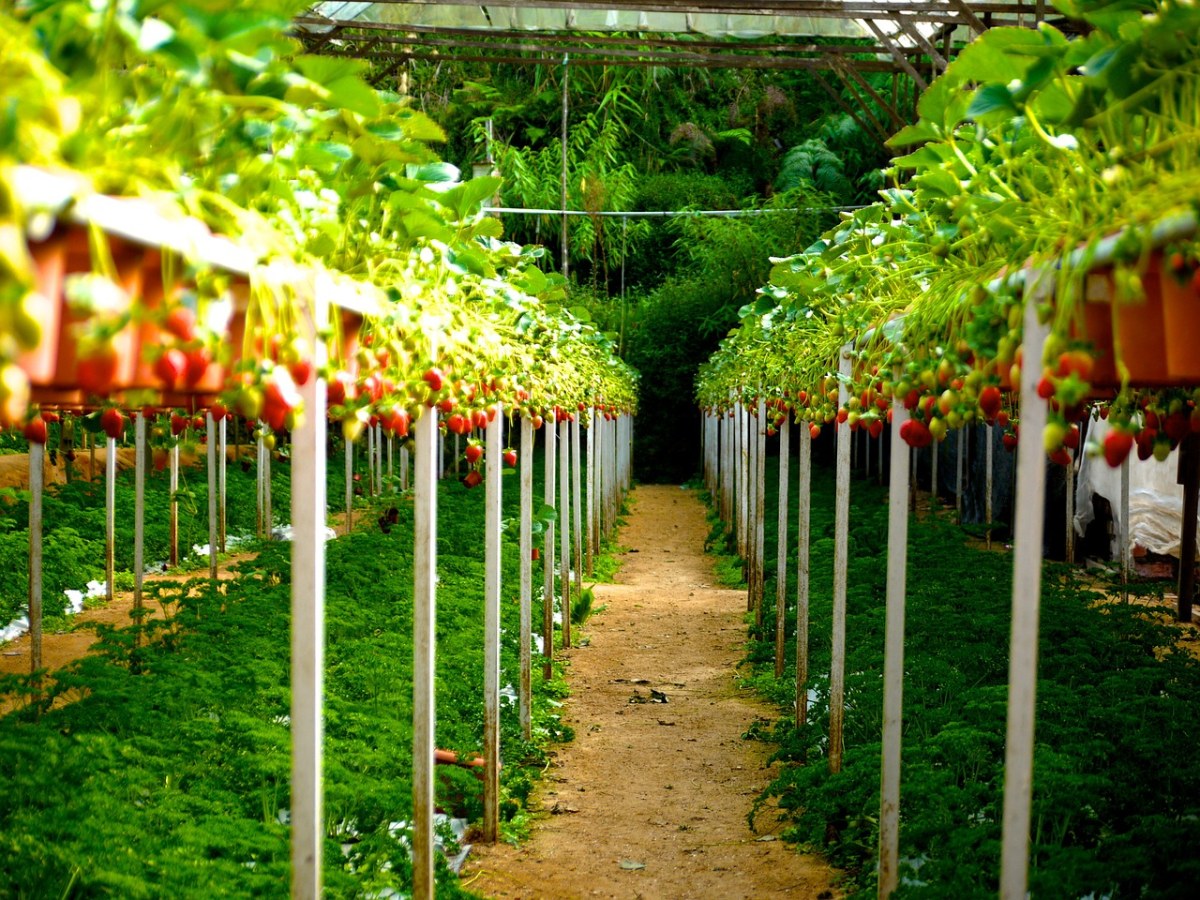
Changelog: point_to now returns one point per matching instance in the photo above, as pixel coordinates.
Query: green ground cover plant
(1117, 712)
(177, 752)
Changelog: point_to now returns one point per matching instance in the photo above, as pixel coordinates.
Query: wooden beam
(863, 105)
(921, 41)
(897, 54)
(846, 107)
(842, 67)
(969, 16)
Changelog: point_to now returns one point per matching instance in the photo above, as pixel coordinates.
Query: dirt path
(651, 798)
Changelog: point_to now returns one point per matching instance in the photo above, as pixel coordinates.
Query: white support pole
(551, 464)
(457, 452)
(222, 464)
(379, 459)
(577, 504)
(260, 481)
(110, 516)
(837, 674)
(391, 461)
(879, 461)
(596, 445)
(139, 521)
(349, 485)
(593, 546)
(1070, 535)
(729, 428)
(1026, 603)
(988, 501)
(893, 657)
(959, 441)
(441, 455)
(760, 503)
(564, 526)
(494, 438)
(213, 528)
(424, 644)
(174, 476)
(934, 501)
(749, 567)
(743, 491)
(404, 469)
(1123, 530)
(37, 482)
(370, 460)
(525, 690)
(803, 528)
(781, 545)
(268, 508)
(308, 504)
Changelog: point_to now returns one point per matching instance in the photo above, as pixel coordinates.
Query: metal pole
(566, 265)
(1026, 602)
(308, 505)
(526, 538)
(494, 438)
(259, 482)
(424, 645)
(837, 674)
(893, 661)
(803, 523)
(781, 545)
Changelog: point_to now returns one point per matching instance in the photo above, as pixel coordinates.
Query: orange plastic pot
(1181, 320)
(48, 305)
(1138, 328)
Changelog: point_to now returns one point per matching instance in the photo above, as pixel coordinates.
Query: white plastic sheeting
(1155, 498)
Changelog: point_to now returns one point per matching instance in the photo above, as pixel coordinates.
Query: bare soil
(651, 798)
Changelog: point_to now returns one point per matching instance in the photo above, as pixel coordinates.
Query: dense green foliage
(675, 327)
(1117, 713)
(182, 759)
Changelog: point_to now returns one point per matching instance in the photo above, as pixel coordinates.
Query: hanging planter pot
(98, 347)
(46, 305)
(1134, 330)
(1181, 320)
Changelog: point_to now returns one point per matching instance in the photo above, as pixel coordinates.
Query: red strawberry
(434, 378)
(179, 424)
(280, 397)
(1078, 361)
(479, 419)
(473, 479)
(96, 372)
(1062, 456)
(915, 433)
(219, 412)
(181, 322)
(875, 428)
(50, 416)
(35, 430)
(198, 359)
(1045, 387)
(474, 452)
(199, 423)
(171, 367)
(1010, 441)
(536, 422)
(1145, 443)
(814, 431)
(398, 422)
(990, 401)
(1071, 438)
(510, 457)
(1117, 445)
(160, 460)
(302, 371)
(1176, 425)
(112, 422)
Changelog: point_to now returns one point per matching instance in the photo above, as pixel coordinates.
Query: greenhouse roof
(905, 35)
